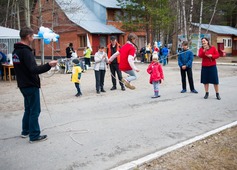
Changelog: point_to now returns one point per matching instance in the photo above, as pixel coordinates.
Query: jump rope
(75, 131)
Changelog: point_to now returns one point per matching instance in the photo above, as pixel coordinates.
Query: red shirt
(207, 61)
(125, 51)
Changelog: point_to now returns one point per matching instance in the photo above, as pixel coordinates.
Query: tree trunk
(27, 12)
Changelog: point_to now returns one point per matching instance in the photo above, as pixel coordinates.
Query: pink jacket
(156, 72)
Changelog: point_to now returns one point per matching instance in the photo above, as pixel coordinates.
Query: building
(78, 21)
(222, 37)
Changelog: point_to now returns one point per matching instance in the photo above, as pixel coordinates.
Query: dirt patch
(217, 152)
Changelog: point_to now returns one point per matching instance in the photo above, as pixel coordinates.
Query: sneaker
(98, 92)
(24, 136)
(194, 91)
(39, 139)
(123, 88)
(113, 88)
(127, 84)
(183, 91)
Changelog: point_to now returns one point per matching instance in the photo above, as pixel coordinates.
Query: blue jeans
(164, 60)
(30, 124)
(156, 85)
(132, 75)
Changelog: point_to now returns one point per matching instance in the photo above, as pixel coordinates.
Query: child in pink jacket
(156, 74)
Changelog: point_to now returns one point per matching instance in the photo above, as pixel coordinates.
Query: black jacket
(25, 66)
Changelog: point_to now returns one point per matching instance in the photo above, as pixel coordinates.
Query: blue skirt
(209, 75)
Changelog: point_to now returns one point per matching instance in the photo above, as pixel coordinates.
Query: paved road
(97, 132)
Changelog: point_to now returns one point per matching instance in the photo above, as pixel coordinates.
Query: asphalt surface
(98, 132)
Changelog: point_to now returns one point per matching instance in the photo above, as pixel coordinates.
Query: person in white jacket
(101, 60)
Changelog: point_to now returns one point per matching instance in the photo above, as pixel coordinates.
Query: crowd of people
(120, 60)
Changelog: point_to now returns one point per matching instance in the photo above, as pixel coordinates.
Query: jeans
(99, 79)
(164, 60)
(30, 124)
(156, 85)
(132, 75)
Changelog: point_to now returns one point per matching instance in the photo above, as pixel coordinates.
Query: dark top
(25, 66)
(69, 51)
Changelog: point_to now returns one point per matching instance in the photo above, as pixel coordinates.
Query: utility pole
(52, 30)
(41, 40)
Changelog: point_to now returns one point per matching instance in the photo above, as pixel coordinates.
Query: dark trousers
(87, 61)
(114, 68)
(190, 78)
(77, 85)
(30, 124)
(99, 79)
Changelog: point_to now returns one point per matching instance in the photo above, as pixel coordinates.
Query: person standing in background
(165, 53)
(209, 73)
(28, 81)
(87, 57)
(112, 48)
(69, 51)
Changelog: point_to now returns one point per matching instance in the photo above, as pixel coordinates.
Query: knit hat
(155, 56)
(75, 61)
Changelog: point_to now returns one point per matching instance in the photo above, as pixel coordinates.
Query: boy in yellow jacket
(76, 76)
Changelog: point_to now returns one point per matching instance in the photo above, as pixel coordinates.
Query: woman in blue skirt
(209, 73)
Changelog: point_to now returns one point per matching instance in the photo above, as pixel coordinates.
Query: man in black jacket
(28, 81)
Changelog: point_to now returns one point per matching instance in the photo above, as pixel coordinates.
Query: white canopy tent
(8, 37)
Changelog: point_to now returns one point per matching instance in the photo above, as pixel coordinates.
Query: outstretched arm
(131, 63)
(113, 56)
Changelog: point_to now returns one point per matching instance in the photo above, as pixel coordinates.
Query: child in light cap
(76, 76)
(156, 74)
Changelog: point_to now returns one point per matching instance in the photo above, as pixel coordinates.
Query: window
(82, 40)
(227, 42)
(58, 45)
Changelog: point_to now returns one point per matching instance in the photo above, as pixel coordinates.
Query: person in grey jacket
(101, 60)
(185, 60)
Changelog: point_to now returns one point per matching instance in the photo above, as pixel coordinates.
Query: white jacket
(101, 59)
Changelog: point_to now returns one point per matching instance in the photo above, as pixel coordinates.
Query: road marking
(136, 163)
